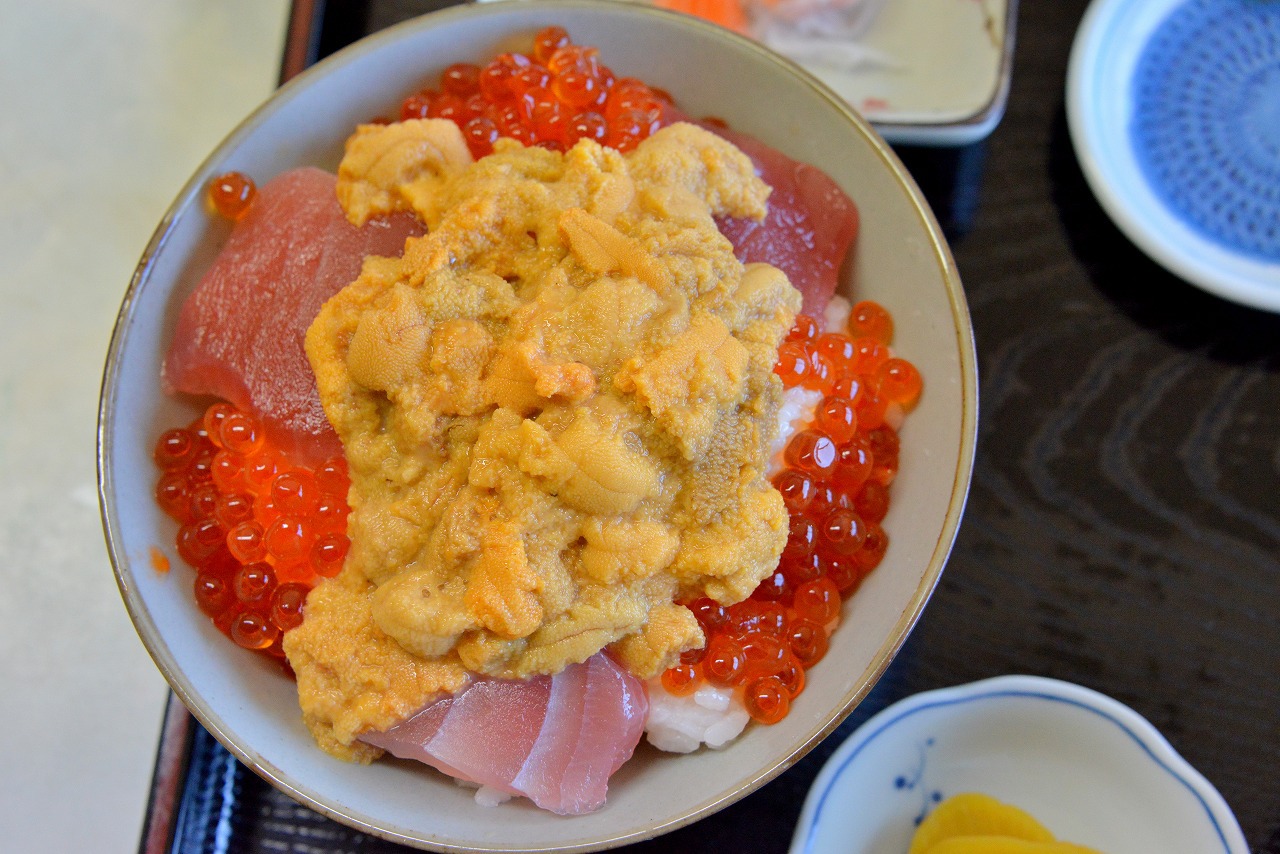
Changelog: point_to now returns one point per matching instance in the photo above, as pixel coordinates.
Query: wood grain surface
(1123, 526)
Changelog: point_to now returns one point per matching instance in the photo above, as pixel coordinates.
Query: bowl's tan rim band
(942, 548)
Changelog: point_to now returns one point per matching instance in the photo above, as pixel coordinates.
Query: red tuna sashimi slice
(810, 227)
(240, 334)
(561, 737)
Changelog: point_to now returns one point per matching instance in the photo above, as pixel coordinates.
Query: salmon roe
(258, 531)
(835, 484)
(869, 319)
(552, 96)
(232, 194)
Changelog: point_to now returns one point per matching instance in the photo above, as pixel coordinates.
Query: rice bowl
(901, 261)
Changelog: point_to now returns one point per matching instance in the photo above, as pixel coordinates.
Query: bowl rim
(967, 366)
(1105, 709)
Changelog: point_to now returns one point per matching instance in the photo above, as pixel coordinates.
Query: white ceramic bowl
(1091, 769)
(902, 261)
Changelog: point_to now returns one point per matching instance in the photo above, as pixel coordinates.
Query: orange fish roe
(869, 319)
(258, 531)
(553, 96)
(835, 483)
(232, 194)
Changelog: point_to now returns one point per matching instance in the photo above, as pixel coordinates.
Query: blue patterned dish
(1174, 112)
(1094, 771)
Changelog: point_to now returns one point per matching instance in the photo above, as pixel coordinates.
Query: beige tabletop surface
(108, 106)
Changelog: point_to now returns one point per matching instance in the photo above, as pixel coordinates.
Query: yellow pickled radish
(1004, 845)
(975, 814)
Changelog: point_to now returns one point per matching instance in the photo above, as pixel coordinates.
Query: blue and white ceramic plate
(1174, 112)
(1092, 770)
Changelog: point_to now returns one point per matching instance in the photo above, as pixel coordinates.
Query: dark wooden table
(1123, 527)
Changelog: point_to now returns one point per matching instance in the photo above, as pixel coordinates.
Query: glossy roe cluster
(552, 96)
(258, 530)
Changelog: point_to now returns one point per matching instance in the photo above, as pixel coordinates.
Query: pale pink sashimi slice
(240, 334)
(449, 734)
(809, 229)
(578, 750)
(555, 740)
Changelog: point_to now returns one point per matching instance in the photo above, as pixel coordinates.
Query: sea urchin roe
(556, 409)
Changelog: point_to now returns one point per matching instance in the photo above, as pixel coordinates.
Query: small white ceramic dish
(1106, 51)
(1091, 769)
(945, 76)
(902, 261)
